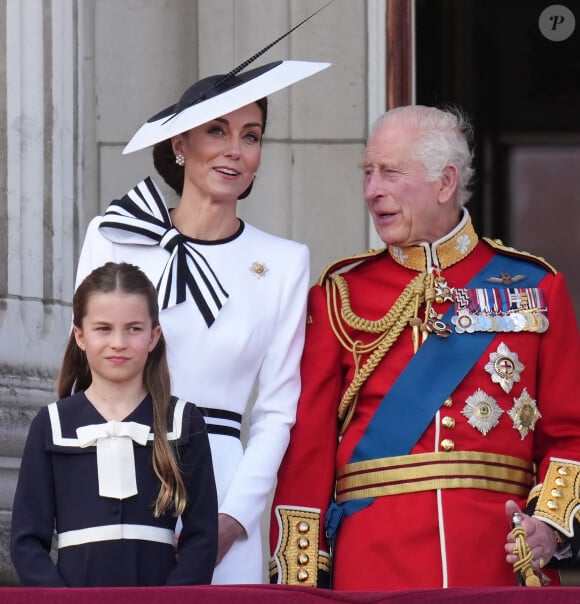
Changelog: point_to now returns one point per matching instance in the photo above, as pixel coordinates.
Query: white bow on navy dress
(141, 217)
(115, 455)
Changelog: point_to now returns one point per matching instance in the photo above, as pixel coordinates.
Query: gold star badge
(482, 411)
(259, 269)
(525, 413)
(504, 367)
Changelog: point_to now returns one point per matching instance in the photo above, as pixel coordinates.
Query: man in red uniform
(440, 380)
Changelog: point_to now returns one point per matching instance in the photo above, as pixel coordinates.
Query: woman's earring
(180, 159)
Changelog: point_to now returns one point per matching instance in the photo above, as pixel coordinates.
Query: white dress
(256, 340)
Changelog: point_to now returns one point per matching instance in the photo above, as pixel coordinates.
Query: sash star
(524, 413)
(482, 411)
(504, 367)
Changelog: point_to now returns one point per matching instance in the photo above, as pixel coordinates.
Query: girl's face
(117, 336)
(222, 156)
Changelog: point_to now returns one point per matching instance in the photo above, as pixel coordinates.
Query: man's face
(406, 209)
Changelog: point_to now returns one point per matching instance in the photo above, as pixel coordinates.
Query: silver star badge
(482, 411)
(525, 413)
(504, 367)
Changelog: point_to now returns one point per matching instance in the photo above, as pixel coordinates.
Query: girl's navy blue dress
(105, 541)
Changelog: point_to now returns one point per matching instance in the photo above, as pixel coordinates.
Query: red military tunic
(517, 406)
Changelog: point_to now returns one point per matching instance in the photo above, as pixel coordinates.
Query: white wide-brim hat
(219, 95)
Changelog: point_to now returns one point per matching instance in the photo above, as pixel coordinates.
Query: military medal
(499, 309)
(464, 321)
(504, 367)
(436, 325)
(524, 413)
(482, 411)
(443, 293)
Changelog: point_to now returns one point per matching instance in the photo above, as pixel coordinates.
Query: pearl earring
(180, 159)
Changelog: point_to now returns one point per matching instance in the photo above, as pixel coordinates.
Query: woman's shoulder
(93, 235)
(276, 244)
(255, 233)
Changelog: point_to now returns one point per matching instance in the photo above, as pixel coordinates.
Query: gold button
(561, 482)
(303, 543)
(553, 505)
(447, 444)
(302, 559)
(448, 403)
(302, 575)
(557, 493)
(448, 422)
(303, 527)
(563, 471)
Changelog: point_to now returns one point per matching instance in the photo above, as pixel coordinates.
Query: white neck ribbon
(115, 455)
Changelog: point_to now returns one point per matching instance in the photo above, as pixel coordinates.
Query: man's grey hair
(444, 138)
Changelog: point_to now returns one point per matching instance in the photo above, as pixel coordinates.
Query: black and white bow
(142, 218)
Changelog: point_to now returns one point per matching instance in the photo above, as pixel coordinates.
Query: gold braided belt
(431, 471)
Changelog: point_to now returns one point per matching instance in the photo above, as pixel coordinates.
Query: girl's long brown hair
(75, 372)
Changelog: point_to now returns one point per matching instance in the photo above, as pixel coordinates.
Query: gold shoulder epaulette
(348, 262)
(496, 244)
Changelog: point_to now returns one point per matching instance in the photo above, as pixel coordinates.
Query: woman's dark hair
(172, 174)
(75, 373)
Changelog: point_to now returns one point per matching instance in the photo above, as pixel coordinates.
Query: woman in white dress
(232, 296)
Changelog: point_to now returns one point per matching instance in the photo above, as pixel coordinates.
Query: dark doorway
(522, 92)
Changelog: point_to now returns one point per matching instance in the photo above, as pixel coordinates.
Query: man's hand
(540, 537)
(229, 529)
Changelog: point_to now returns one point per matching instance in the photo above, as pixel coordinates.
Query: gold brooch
(482, 411)
(504, 367)
(259, 269)
(525, 413)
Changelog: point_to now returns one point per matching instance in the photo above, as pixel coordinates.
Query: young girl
(113, 465)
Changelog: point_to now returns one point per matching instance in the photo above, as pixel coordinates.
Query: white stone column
(42, 177)
(41, 174)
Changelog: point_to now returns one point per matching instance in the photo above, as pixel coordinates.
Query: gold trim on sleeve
(297, 559)
(559, 499)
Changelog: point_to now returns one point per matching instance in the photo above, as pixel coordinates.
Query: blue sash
(429, 378)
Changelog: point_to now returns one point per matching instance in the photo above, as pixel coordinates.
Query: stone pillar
(38, 145)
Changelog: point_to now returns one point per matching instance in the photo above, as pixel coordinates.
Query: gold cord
(389, 328)
(523, 565)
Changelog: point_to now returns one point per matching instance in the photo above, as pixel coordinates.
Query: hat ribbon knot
(115, 455)
(141, 217)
